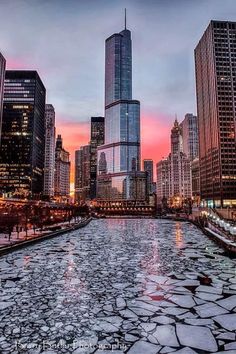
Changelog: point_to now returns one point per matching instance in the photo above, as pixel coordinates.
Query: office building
(49, 162)
(119, 157)
(215, 63)
(189, 128)
(180, 167)
(174, 179)
(62, 172)
(96, 139)
(2, 78)
(23, 134)
(148, 167)
(163, 188)
(195, 180)
(82, 173)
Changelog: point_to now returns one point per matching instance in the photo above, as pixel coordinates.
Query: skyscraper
(148, 167)
(174, 173)
(62, 172)
(180, 168)
(2, 77)
(49, 162)
(82, 173)
(215, 63)
(121, 151)
(23, 134)
(96, 139)
(189, 128)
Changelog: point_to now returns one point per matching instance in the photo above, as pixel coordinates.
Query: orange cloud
(74, 135)
(155, 137)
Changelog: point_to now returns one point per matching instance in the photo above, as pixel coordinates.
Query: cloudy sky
(64, 41)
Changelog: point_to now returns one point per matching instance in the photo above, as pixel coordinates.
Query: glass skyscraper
(119, 158)
(23, 134)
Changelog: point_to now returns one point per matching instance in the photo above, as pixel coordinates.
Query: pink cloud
(16, 64)
(155, 136)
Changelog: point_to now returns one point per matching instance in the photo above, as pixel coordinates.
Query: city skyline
(80, 96)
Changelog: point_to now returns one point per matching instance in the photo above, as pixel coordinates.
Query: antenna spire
(125, 18)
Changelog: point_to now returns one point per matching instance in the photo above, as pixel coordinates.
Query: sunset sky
(64, 41)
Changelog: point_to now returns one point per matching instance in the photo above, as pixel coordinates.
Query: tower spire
(125, 18)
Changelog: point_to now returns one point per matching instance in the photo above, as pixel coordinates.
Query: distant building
(189, 128)
(174, 181)
(23, 134)
(195, 180)
(2, 77)
(163, 189)
(82, 173)
(96, 139)
(215, 63)
(181, 182)
(148, 167)
(49, 162)
(78, 174)
(62, 172)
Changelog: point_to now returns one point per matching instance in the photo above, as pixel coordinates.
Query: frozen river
(119, 286)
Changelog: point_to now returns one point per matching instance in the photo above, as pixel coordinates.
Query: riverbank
(228, 245)
(43, 236)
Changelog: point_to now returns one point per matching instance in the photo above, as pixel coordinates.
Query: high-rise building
(163, 180)
(2, 78)
(215, 63)
(148, 167)
(49, 161)
(62, 172)
(180, 168)
(23, 134)
(174, 173)
(121, 152)
(195, 180)
(78, 175)
(189, 128)
(82, 173)
(96, 139)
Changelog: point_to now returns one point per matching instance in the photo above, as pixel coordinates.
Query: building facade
(2, 78)
(163, 186)
(62, 172)
(83, 174)
(195, 180)
(174, 178)
(23, 134)
(189, 128)
(148, 167)
(97, 135)
(119, 157)
(181, 184)
(49, 162)
(215, 63)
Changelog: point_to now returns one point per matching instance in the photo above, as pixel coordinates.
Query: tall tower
(49, 162)
(23, 134)
(121, 151)
(96, 139)
(215, 63)
(189, 128)
(179, 167)
(62, 172)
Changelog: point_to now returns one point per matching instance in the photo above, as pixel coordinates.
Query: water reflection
(178, 235)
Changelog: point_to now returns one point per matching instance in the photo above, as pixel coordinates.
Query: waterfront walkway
(120, 286)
